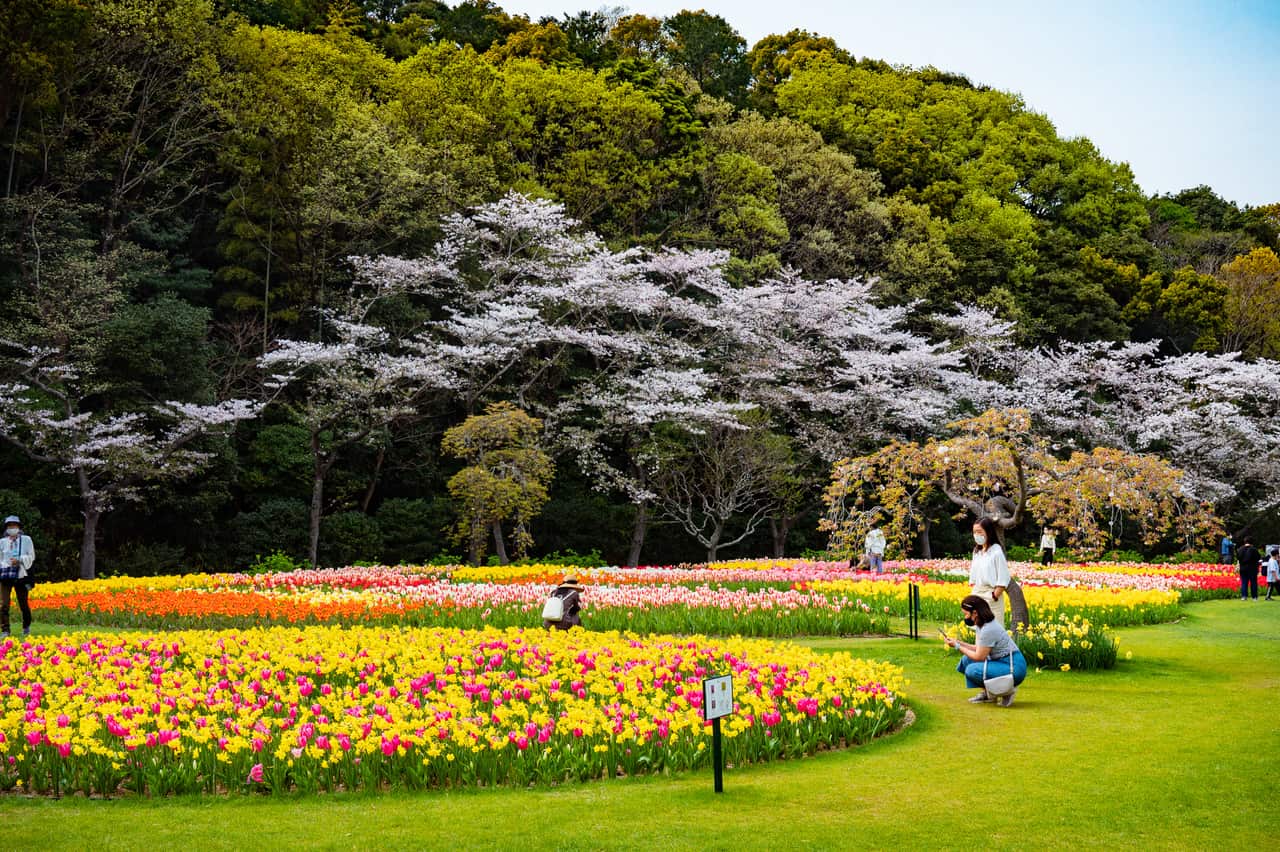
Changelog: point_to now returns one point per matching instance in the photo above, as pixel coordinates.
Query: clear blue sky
(1186, 92)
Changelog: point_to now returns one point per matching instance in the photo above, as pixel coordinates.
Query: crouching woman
(993, 649)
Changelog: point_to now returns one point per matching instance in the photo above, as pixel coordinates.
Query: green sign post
(717, 702)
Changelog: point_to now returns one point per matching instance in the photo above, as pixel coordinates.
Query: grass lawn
(1178, 748)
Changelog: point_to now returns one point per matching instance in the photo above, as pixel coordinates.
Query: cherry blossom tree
(613, 348)
(708, 482)
(843, 370)
(605, 344)
(608, 425)
(357, 385)
(1217, 417)
(50, 414)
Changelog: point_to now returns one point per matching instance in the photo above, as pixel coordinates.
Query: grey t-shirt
(993, 635)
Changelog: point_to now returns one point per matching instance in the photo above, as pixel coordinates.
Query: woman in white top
(1273, 572)
(989, 570)
(17, 555)
(1048, 544)
(875, 547)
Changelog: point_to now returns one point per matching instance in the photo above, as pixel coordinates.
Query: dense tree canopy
(187, 182)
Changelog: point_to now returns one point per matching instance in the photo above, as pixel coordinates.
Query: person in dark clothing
(570, 591)
(1249, 560)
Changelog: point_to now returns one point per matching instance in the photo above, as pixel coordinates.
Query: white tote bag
(553, 609)
(1001, 685)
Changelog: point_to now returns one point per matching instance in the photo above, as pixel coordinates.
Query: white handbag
(553, 609)
(1001, 685)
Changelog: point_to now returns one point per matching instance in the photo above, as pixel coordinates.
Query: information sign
(717, 697)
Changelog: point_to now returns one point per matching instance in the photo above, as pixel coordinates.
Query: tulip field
(408, 677)
(332, 708)
(747, 598)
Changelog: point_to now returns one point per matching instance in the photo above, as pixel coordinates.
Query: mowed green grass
(1178, 748)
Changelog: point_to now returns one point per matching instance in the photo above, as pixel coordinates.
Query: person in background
(875, 548)
(571, 591)
(1226, 550)
(1273, 571)
(1048, 544)
(17, 554)
(989, 570)
(992, 654)
(1250, 559)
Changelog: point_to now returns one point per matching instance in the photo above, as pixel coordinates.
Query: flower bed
(327, 597)
(774, 598)
(331, 708)
(1115, 607)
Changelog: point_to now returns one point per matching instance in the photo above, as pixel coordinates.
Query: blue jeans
(972, 671)
(1249, 583)
(875, 561)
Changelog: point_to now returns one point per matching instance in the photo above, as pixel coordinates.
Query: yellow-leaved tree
(1252, 304)
(506, 477)
(996, 465)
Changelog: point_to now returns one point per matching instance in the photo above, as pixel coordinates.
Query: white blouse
(989, 568)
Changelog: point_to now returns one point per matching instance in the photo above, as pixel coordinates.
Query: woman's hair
(979, 607)
(989, 527)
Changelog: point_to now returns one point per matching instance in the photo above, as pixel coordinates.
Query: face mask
(979, 538)
(968, 619)
(12, 531)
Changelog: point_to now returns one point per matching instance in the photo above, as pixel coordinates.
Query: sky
(1186, 93)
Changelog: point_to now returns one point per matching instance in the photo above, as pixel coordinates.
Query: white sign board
(717, 697)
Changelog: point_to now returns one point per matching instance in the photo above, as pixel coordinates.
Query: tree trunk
(13, 149)
(473, 553)
(637, 535)
(319, 468)
(926, 550)
(317, 502)
(89, 503)
(780, 530)
(499, 546)
(89, 544)
(373, 481)
(713, 544)
(266, 284)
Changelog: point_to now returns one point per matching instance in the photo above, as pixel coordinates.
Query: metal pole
(917, 610)
(911, 611)
(716, 757)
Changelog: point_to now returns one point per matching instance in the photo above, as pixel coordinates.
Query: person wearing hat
(17, 554)
(570, 595)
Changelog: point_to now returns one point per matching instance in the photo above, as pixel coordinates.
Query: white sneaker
(981, 698)
(1007, 700)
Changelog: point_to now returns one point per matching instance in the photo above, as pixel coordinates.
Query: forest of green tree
(185, 182)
